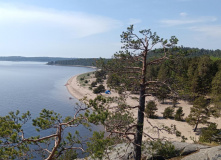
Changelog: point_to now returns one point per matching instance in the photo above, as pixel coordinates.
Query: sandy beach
(78, 91)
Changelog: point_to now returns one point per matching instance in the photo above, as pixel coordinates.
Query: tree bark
(140, 121)
(140, 116)
(196, 126)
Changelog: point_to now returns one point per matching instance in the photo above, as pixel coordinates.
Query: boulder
(187, 148)
(124, 151)
(213, 153)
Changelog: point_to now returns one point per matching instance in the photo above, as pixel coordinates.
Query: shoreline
(73, 66)
(76, 90)
(79, 92)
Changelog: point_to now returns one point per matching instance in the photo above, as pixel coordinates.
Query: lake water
(33, 86)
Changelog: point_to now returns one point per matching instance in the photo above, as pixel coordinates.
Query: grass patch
(84, 78)
(214, 58)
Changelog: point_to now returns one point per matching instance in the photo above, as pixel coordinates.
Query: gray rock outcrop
(124, 151)
(187, 148)
(213, 153)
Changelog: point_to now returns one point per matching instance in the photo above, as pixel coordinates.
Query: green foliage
(68, 155)
(211, 133)
(150, 109)
(76, 61)
(93, 84)
(162, 149)
(98, 144)
(11, 145)
(168, 112)
(99, 89)
(99, 80)
(46, 120)
(199, 113)
(162, 93)
(120, 120)
(99, 114)
(100, 74)
(113, 80)
(216, 84)
(179, 114)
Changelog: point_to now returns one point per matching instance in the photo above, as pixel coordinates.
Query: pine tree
(150, 109)
(199, 113)
(131, 64)
(179, 114)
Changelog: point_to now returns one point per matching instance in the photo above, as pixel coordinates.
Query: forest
(77, 61)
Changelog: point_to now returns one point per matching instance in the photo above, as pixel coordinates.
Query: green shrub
(150, 109)
(99, 89)
(99, 80)
(210, 133)
(168, 112)
(162, 150)
(98, 144)
(179, 114)
(93, 84)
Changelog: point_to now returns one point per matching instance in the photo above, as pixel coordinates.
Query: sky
(92, 28)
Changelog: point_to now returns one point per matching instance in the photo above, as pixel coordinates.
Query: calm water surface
(33, 86)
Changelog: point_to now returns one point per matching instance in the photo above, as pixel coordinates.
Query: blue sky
(92, 28)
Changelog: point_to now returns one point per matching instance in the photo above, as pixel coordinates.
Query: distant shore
(72, 65)
(79, 92)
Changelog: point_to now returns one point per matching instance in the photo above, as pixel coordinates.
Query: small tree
(179, 114)
(199, 113)
(150, 109)
(99, 89)
(93, 84)
(168, 112)
(162, 93)
(99, 80)
(210, 133)
(100, 74)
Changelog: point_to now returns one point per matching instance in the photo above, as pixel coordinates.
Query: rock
(213, 153)
(187, 148)
(124, 151)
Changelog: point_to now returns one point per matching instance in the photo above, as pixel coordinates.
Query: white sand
(80, 92)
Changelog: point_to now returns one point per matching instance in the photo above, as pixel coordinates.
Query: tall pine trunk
(140, 121)
(196, 126)
(140, 115)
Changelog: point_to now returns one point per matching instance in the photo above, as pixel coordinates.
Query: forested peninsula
(190, 52)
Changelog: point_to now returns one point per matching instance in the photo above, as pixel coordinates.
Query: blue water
(33, 86)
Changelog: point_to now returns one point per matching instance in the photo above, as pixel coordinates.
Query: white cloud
(188, 21)
(79, 24)
(210, 30)
(183, 14)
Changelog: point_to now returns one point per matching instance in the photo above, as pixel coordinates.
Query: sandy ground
(79, 92)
